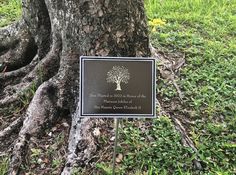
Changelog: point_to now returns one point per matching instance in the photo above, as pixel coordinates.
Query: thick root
(47, 68)
(13, 94)
(43, 71)
(14, 77)
(9, 35)
(11, 128)
(18, 154)
(41, 112)
(81, 145)
(19, 54)
(14, 84)
(43, 107)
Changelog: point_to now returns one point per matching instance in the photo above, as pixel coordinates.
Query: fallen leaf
(96, 132)
(65, 125)
(46, 160)
(112, 138)
(54, 129)
(119, 158)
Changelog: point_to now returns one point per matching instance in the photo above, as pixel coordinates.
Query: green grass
(10, 10)
(3, 165)
(203, 31)
(154, 149)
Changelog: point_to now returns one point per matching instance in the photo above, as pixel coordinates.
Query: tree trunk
(42, 50)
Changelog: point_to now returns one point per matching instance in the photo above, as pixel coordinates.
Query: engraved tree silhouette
(118, 75)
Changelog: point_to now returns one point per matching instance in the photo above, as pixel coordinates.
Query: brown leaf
(119, 158)
(96, 132)
(54, 129)
(46, 160)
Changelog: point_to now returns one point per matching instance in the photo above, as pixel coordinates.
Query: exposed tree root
(41, 112)
(18, 154)
(13, 94)
(187, 142)
(45, 69)
(19, 55)
(24, 70)
(43, 107)
(181, 96)
(9, 35)
(13, 77)
(167, 70)
(14, 126)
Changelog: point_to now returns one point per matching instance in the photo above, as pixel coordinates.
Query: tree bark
(59, 33)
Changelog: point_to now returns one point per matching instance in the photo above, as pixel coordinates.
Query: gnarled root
(11, 128)
(45, 69)
(9, 35)
(17, 47)
(41, 112)
(13, 77)
(20, 54)
(24, 68)
(40, 74)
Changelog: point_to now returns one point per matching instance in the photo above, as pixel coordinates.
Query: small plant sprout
(118, 75)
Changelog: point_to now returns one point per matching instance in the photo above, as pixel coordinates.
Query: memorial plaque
(117, 87)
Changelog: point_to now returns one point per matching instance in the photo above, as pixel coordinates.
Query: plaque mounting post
(117, 120)
(108, 88)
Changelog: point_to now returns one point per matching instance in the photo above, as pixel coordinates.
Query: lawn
(10, 10)
(203, 33)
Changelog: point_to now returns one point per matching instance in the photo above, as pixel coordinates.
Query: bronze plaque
(120, 87)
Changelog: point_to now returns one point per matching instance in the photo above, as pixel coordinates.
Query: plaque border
(101, 58)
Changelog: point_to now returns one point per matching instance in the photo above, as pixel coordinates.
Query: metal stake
(115, 146)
